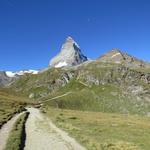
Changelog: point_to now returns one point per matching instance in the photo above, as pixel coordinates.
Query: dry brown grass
(104, 131)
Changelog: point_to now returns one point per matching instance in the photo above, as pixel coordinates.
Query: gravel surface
(42, 134)
(6, 129)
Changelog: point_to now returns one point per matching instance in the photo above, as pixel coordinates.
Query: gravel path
(66, 94)
(42, 134)
(6, 129)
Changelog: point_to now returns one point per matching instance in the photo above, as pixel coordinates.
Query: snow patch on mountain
(10, 74)
(61, 64)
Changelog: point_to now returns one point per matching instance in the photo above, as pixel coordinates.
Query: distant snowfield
(20, 73)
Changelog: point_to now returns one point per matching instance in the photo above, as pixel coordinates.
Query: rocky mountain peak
(115, 50)
(69, 39)
(120, 57)
(69, 55)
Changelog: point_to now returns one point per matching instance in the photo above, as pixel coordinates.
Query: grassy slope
(103, 131)
(10, 103)
(16, 138)
(45, 82)
(37, 84)
(108, 96)
(103, 98)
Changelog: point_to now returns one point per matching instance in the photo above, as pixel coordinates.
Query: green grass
(103, 98)
(103, 131)
(7, 110)
(16, 137)
(145, 70)
(37, 84)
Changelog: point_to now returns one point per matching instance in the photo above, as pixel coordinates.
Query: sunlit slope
(10, 104)
(94, 86)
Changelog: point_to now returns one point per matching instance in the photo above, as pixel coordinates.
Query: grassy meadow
(103, 131)
(103, 98)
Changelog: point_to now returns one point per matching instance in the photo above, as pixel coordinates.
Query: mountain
(20, 73)
(70, 55)
(8, 77)
(4, 79)
(119, 57)
(115, 82)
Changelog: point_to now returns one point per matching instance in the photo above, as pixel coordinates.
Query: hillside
(94, 85)
(10, 104)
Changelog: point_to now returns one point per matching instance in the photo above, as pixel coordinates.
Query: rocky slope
(119, 57)
(4, 79)
(8, 77)
(70, 55)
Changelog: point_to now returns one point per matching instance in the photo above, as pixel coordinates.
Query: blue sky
(32, 31)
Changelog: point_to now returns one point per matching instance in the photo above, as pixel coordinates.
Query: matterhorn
(70, 55)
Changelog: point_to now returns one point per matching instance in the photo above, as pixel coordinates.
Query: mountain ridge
(119, 57)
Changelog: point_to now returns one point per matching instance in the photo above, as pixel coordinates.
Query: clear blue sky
(32, 31)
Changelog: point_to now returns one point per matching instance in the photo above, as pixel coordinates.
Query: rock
(70, 55)
(31, 95)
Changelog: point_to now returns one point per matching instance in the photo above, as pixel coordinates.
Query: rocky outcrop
(70, 55)
(132, 82)
(117, 74)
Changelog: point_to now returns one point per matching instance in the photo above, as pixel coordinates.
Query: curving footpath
(6, 129)
(42, 134)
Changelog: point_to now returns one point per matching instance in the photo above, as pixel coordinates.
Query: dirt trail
(5, 130)
(42, 134)
(68, 93)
